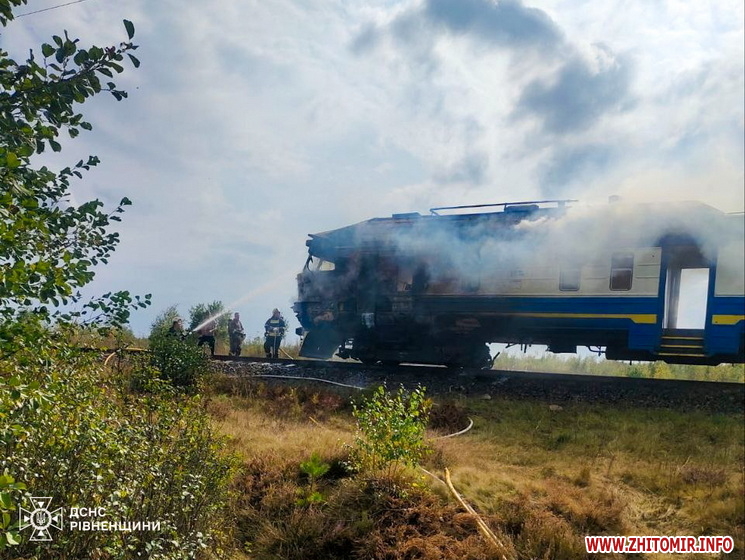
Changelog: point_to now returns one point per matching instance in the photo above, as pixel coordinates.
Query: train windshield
(317, 264)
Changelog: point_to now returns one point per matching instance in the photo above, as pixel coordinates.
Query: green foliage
(203, 311)
(49, 246)
(8, 528)
(6, 9)
(255, 347)
(70, 429)
(176, 357)
(199, 314)
(314, 468)
(390, 429)
(164, 320)
(178, 360)
(77, 433)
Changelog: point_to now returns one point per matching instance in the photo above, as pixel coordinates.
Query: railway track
(553, 388)
(714, 396)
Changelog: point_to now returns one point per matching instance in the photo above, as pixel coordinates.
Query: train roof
(633, 222)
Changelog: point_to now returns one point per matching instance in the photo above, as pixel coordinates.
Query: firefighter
(177, 329)
(207, 335)
(236, 334)
(274, 331)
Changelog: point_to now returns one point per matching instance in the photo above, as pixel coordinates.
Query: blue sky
(251, 124)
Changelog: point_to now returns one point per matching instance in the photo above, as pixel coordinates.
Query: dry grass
(542, 479)
(252, 432)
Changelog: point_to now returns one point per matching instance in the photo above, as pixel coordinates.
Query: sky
(251, 124)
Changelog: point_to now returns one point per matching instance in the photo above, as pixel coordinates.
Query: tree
(215, 310)
(163, 321)
(49, 246)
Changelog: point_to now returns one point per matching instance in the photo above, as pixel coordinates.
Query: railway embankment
(551, 388)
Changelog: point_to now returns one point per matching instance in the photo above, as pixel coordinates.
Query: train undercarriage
(463, 340)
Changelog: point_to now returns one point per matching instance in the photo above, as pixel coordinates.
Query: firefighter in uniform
(207, 335)
(236, 334)
(274, 331)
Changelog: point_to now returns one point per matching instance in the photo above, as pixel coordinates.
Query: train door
(692, 298)
(686, 301)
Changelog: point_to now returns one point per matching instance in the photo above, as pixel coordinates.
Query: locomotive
(438, 288)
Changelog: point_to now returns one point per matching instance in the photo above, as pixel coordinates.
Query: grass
(593, 365)
(654, 471)
(541, 478)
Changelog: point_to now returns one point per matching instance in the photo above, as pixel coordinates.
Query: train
(617, 278)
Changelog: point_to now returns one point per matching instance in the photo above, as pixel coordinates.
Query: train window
(325, 266)
(621, 271)
(569, 276)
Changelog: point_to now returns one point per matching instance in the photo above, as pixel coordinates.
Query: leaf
(129, 26)
(5, 501)
(47, 49)
(12, 160)
(135, 61)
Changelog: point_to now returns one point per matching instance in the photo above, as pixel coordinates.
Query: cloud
(573, 163)
(578, 95)
(506, 23)
(470, 169)
(543, 83)
(571, 93)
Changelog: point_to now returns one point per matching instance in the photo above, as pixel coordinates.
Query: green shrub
(76, 433)
(314, 468)
(179, 360)
(390, 429)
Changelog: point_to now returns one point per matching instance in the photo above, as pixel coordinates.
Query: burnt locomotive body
(437, 289)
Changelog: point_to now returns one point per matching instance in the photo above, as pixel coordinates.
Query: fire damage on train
(436, 289)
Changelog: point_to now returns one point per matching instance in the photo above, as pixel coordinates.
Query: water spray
(267, 286)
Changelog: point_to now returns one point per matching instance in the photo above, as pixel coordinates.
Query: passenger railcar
(438, 288)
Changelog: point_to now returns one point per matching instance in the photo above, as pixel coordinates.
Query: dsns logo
(40, 519)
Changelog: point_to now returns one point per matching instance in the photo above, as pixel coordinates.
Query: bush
(179, 360)
(76, 433)
(390, 429)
